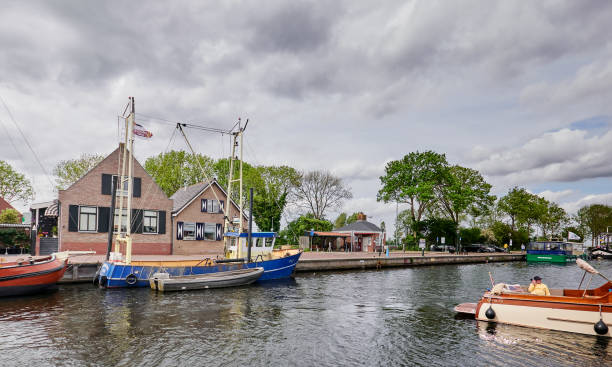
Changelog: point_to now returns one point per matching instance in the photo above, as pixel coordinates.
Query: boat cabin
(262, 245)
(550, 248)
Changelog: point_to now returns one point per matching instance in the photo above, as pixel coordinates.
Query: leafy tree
(411, 180)
(536, 208)
(276, 185)
(352, 218)
(405, 223)
(594, 219)
(515, 204)
(13, 185)
(552, 220)
(12, 237)
(319, 191)
(436, 228)
(301, 225)
(251, 177)
(502, 233)
(461, 189)
(70, 171)
(175, 169)
(9, 216)
(470, 235)
(340, 221)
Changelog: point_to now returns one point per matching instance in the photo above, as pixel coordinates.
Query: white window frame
(212, 233)
(144, 221)
(124, 191)
(95, 215)
(189, 238)
(116, 220)
(212, 203)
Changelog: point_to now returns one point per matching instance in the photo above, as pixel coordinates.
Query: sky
(518, 90)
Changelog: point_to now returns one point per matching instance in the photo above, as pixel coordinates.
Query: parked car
(445, 248)
(496, 248)
(477, 247)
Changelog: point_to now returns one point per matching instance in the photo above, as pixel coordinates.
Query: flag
(140, 131)
(572, 236)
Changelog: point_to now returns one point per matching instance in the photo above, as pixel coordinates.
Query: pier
(83, 268)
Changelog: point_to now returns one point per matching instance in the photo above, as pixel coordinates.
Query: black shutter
(73, 218)
(161, 229)
(179, 230)
(136, 220)
(137, 184)
(220, 206)
(106, 184)
(204, 205)
(199, 231)
(218, 230)
(103, 218)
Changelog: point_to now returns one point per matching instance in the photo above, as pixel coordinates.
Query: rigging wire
(27, 142)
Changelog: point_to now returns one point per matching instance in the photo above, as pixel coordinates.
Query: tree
(275, 187)
(411, 180)
(319, 191)
(515, 204)
(502, 232)
(461, 189)
(552, 220)
(9, 216)
(352, 218)
(470, 235)
(301, 225)
(70, 171)
(175, 169)
(340, 221)
(594, 219)
(13, 185)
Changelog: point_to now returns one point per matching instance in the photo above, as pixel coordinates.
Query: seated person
(538, 288)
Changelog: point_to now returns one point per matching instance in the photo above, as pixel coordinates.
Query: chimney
(361, 216)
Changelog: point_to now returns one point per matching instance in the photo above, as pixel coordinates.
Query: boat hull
(31, 277)
(206, 281)
(551, 258)
(117, 275)
(560, 316)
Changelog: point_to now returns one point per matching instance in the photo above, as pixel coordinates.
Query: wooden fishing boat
(31, 275)
(164, 283)
(584, 311)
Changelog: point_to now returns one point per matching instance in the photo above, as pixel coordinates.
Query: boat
(601, 252)
(31, 275)
(121, 271)
(584, 311)
(550, 252)
(163, 282)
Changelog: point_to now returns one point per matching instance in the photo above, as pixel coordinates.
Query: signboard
(442, 240)
(422, 243)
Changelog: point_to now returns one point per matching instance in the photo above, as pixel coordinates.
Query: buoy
(490, 314)
(131, 279)
(600, 327)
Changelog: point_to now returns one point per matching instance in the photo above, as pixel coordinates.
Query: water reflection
(366, 318)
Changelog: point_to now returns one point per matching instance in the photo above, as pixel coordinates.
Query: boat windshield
(550, 246)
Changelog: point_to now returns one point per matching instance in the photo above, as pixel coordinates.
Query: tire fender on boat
(131, 279)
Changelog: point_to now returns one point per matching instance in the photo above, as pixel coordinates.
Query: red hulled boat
(27, 276)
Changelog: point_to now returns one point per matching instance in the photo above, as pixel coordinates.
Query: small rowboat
(164, 283)
(30, 275)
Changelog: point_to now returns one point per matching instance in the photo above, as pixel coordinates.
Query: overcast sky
(518, 90)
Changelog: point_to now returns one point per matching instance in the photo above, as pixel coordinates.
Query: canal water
(396, 317)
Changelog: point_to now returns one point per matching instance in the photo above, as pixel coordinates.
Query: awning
(52, 210)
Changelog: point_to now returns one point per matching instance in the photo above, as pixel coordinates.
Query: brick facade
(192, 213)
(87, 191)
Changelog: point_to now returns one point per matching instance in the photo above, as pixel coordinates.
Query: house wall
(192, 213)
(88, 191)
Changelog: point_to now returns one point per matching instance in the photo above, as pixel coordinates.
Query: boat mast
(236, 137)
(128, 227)
(127, 163)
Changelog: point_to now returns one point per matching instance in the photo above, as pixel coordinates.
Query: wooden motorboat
(31, 275)
(164, 283)
(584, 311)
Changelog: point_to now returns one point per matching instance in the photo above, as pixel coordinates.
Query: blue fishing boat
(277, 264)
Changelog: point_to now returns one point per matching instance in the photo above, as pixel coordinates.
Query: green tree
(502, 233)
(13, 185)
(175, 169)
(302, 225)
(515, 204)
(275, 186)
(352, 218)
(70, 171)
(593, 219)
(552, 220)
(340, 220)
(470, 235)
(411, 180)
(320, 191)
(461, 189)
(9, 216)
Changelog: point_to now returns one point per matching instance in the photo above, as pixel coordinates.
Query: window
(150, 223)
(214, 206)
(189, 231)
(123, 221)
(88, 218)
(122, 190)
(209, 231)
(269, 241)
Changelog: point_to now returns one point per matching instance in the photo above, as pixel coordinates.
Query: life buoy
(131, 279)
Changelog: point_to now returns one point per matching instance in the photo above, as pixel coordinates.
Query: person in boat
(538, 288)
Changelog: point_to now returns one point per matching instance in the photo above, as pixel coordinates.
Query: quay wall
(85, 271)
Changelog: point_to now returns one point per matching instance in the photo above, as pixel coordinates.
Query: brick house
(364, 236)
(6, 205)
(197, 217)
(85, 210)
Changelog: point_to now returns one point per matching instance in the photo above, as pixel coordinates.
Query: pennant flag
(140, 131)
(572, 236)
